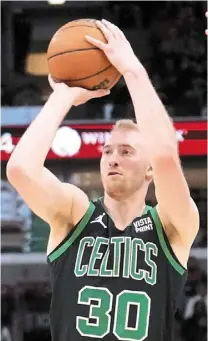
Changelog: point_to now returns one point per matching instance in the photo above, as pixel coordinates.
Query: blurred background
(169, 39)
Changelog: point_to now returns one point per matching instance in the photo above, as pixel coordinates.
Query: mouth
(113, 173)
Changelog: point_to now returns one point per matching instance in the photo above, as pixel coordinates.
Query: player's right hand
(77, 95)
(117, 48)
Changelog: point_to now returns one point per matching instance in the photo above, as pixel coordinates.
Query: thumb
(51, 81)
(100, 93)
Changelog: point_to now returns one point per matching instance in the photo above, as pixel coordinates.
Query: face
(124, 164)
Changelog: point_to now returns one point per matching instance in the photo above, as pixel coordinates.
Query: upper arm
(49, 198)
(175, 204)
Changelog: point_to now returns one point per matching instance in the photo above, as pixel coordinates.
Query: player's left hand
(117, 49)
(75, 95)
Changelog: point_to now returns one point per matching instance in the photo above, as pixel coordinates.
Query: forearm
(153, 121)
(32, 149)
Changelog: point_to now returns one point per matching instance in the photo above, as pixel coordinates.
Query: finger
(51, 81)
(96, 42)
(206, 32)
(105, 30)
(206, 14)
(114, 29)
(100, 93)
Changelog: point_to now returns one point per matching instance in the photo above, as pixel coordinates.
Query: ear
(149, 174)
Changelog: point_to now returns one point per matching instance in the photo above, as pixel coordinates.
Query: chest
(104, 225)
(118, 256)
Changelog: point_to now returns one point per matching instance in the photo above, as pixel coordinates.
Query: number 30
(100, 313)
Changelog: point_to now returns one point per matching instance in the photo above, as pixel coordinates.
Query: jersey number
(98, 323)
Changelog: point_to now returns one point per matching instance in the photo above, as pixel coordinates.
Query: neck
(124, 210)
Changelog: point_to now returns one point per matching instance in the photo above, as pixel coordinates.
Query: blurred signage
(85, 141)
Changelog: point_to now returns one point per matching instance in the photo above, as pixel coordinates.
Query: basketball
(76, 62)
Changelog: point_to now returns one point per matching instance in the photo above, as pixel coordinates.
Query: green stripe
(163, 244)
(80, 227)
(146, 209)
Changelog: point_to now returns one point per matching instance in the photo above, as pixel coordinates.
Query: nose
(114, 160)
(113, 164)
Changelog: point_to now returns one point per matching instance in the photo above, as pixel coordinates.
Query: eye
(106, 151)
(126, 152)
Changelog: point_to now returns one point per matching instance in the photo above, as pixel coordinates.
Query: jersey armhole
(165, 245)
(77, 230)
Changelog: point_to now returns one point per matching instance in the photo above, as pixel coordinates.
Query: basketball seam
(118, 75)
(66, 28)
(82, 79)
(79, 50)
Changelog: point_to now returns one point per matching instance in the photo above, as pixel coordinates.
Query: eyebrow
(120, 145)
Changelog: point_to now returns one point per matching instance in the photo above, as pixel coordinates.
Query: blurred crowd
(179, 63)
(191, 317)
(169, 40)
(173, 50)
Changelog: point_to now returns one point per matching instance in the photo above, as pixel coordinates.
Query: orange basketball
(76, 62)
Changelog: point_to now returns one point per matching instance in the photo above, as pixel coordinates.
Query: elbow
(18, 174)
(13, 172)
(166, 154)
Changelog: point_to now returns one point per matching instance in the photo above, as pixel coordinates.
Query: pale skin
(130, 153)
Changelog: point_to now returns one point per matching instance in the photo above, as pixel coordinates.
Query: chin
(116, 188)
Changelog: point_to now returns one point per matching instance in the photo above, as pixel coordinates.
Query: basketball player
(117, 265)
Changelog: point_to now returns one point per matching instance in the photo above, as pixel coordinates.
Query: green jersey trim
(146, 209)
(163, 244)
(80, 227)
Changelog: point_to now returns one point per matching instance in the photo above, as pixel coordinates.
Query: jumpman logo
(99, 220)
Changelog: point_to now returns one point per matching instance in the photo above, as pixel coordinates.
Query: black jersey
(114, 285)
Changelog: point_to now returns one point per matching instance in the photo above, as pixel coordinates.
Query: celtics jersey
(114, 285)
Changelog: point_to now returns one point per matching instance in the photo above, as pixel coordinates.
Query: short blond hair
(125, 124)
